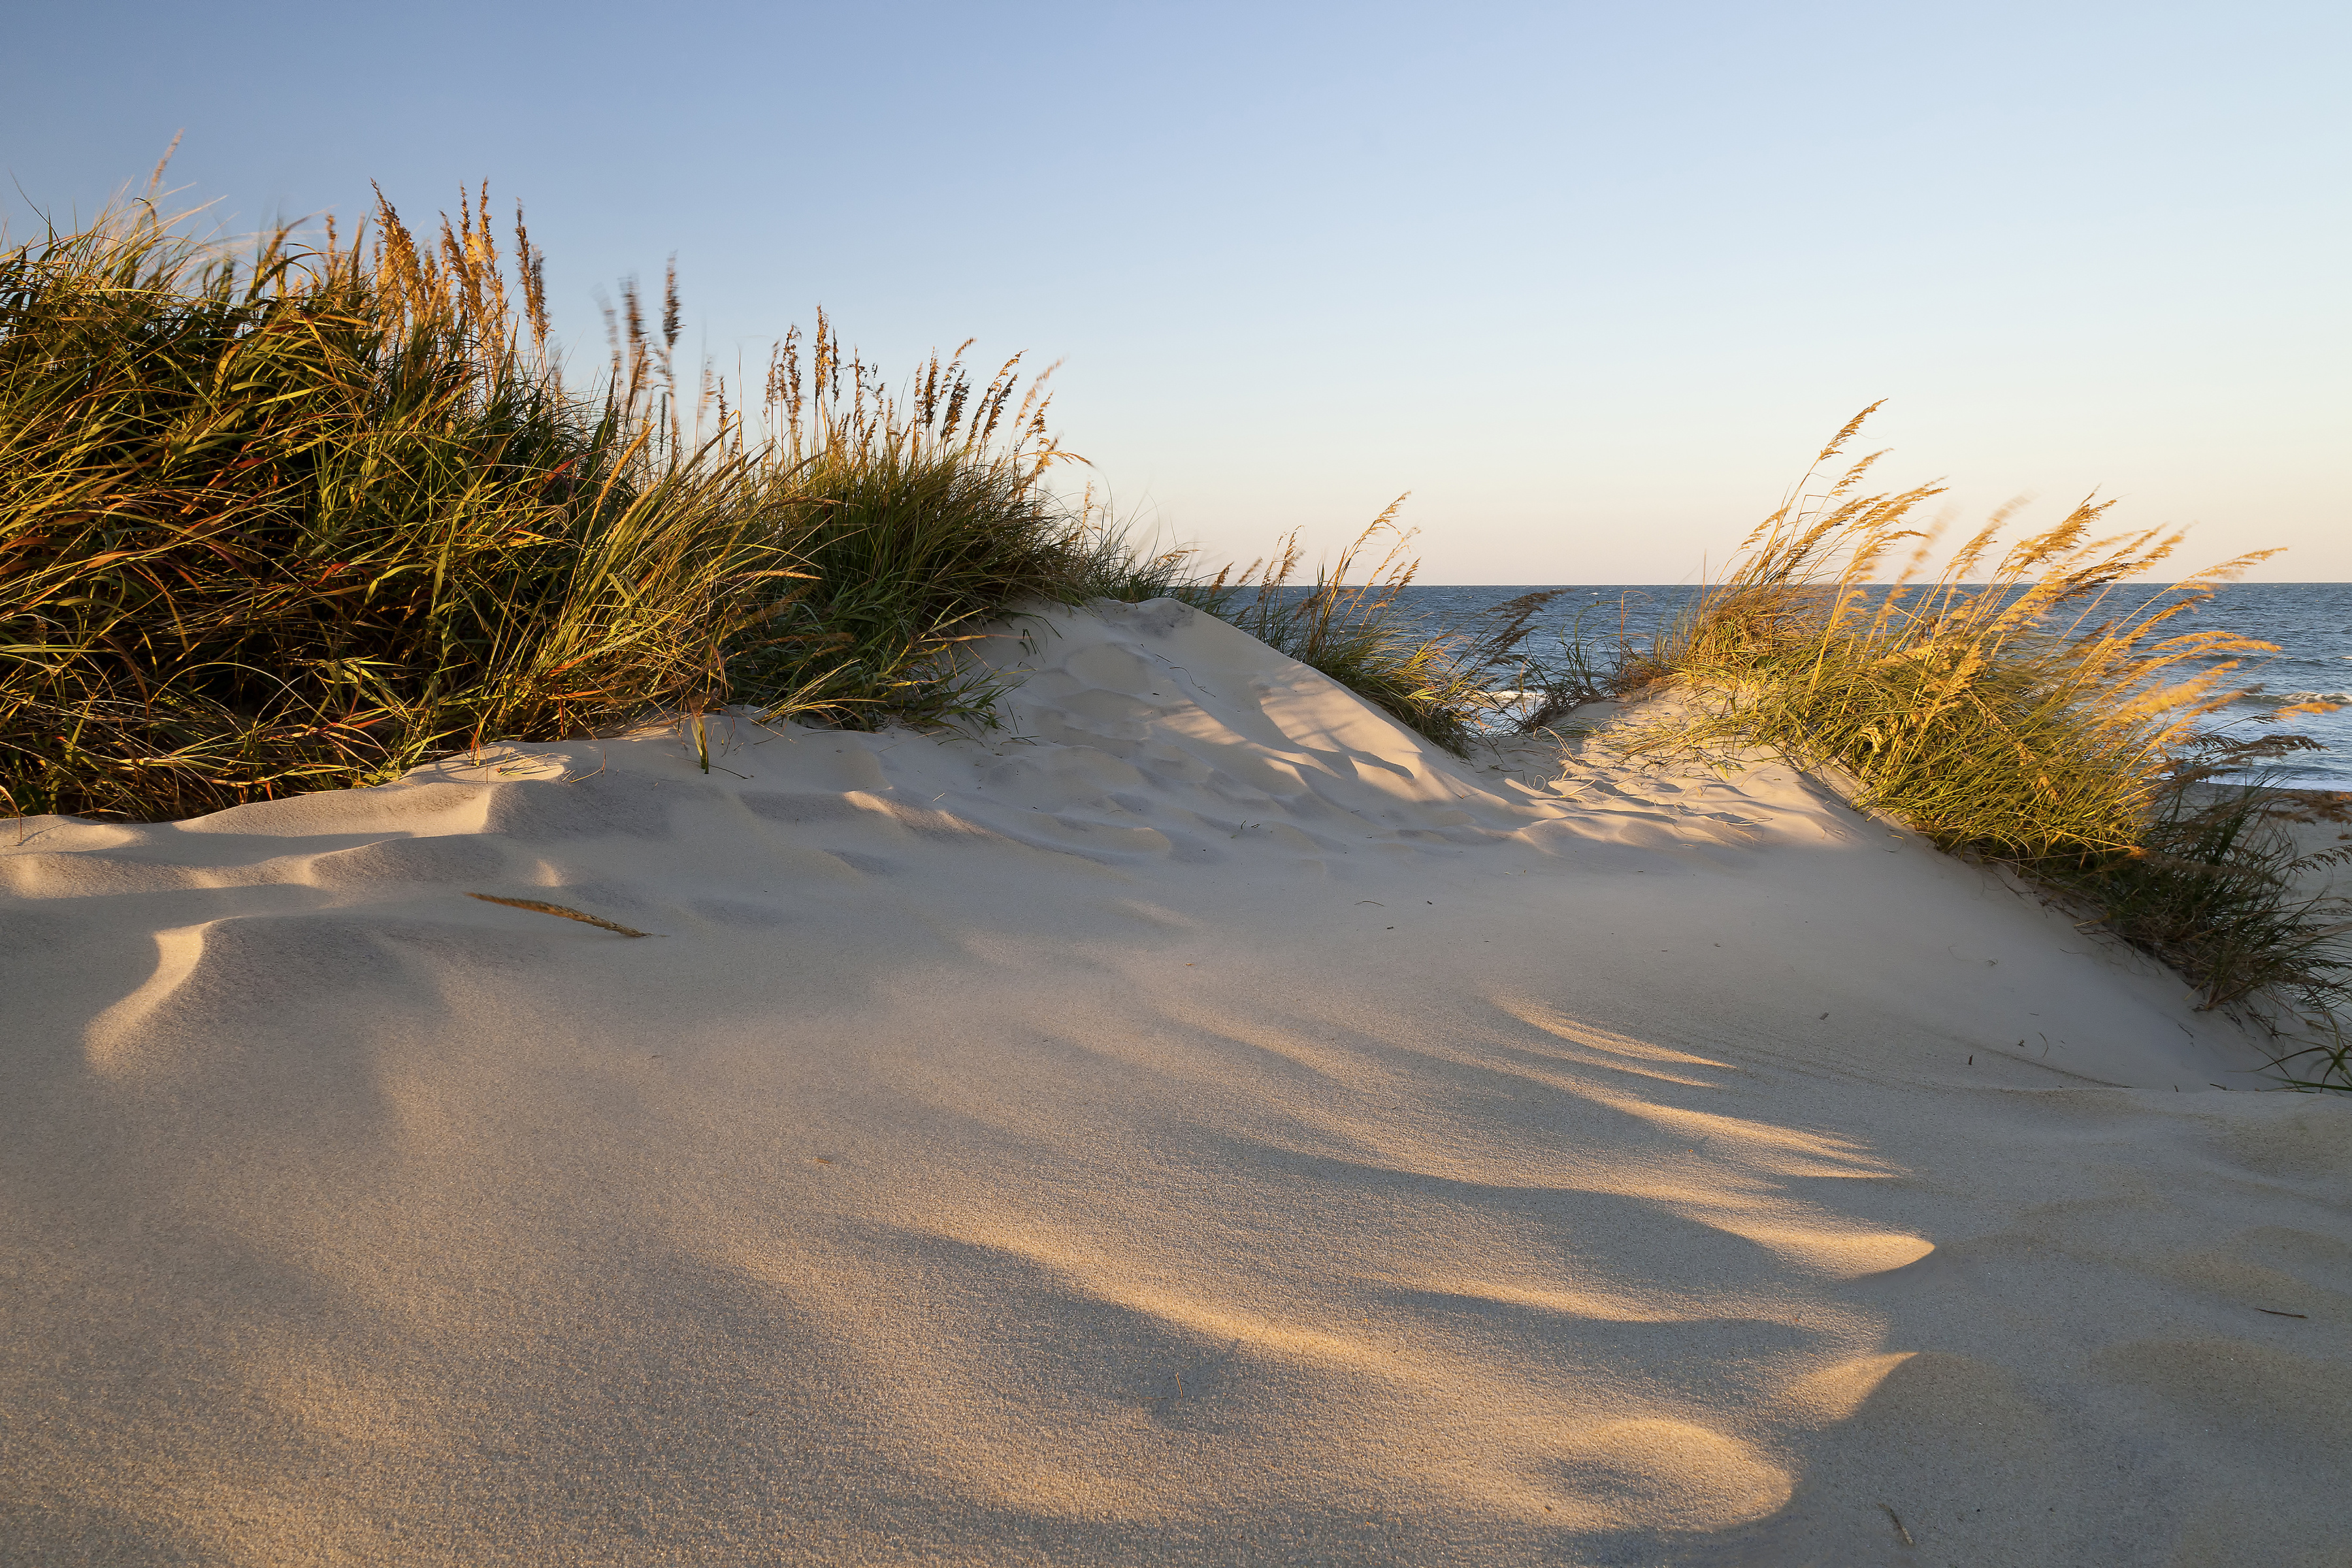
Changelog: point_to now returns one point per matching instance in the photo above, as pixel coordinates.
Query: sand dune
(1197, 1123)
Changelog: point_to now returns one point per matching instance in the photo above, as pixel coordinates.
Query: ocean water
(2310, 621)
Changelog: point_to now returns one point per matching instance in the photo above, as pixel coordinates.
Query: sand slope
(1197, 1124)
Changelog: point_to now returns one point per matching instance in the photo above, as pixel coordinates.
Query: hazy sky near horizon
(1592, 281)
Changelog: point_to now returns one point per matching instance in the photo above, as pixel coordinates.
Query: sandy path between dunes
(1200, 1124)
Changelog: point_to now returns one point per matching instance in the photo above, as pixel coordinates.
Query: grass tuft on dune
(2043, 707)
(1451, 685)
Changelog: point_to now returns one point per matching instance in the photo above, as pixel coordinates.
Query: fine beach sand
(1198, 1123)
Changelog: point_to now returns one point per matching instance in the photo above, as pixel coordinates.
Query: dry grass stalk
(565, 911)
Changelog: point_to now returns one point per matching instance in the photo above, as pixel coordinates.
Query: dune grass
(2042, 707)
(2022, 706)
(1451, 685)
(303, 517)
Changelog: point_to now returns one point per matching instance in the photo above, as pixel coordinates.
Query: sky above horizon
(1592, 282)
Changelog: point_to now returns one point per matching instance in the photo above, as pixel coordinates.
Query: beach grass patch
(305, 516)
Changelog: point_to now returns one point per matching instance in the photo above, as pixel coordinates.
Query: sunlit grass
(301, 517)
(2023, 705)
(2040, 706)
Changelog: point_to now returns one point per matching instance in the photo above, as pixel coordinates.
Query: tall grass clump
(2039, 707)
(297, 519)
(301, 517)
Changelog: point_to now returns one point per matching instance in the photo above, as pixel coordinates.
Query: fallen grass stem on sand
(565, 911)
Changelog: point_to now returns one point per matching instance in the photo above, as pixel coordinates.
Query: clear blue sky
(1591, 281)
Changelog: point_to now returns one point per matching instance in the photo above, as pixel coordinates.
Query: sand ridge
(1197, 1122)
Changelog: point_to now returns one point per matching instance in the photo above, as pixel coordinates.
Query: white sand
(1201, 1124)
